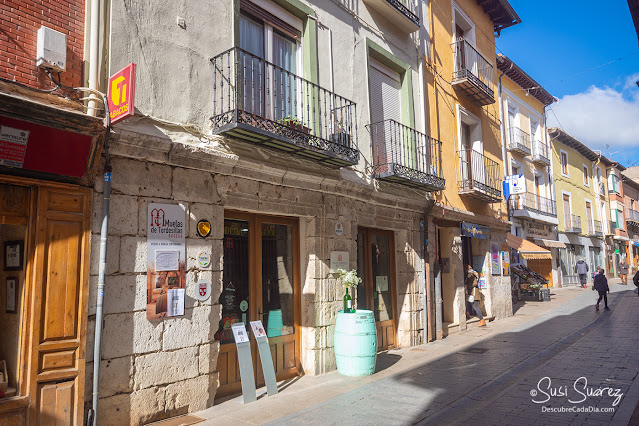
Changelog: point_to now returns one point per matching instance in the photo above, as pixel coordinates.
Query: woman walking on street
(601, 285)
(475, 294)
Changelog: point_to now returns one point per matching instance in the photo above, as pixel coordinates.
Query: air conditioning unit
(52, 49)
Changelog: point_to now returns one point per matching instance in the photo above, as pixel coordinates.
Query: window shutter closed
(385, 95)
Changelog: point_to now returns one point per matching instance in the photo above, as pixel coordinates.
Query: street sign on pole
(245, 362)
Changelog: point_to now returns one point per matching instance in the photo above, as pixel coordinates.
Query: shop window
(12, 280)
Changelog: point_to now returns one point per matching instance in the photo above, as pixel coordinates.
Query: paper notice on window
(381, 283)
(167, 260)
(175, 302)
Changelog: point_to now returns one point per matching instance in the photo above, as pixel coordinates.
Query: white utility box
(52, 49)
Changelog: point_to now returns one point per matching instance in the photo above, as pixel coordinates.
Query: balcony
(632, 218)
(573, 224)
(473, 75)
(541, 153)
(478, 176)
(612, 228)
(266, 105)
(533, 206)
(406, 156)
(402, 13)
(595, 229)
(519, 141)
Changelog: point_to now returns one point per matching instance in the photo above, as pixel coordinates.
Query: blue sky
(557, 43)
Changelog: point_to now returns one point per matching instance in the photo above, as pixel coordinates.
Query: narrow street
(570, 353)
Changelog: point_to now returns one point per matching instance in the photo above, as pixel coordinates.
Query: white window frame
(592, 213)
(561, 164)
(587, 177)
(469, 35)
(467, 117)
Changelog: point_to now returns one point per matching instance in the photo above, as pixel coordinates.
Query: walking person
(475, 295)
(623, 270)
(601, 285)
(468, 289)
(635, 280)
(581, 269)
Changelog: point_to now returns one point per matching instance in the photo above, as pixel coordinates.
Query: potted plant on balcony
(340, 136)
(355, 333)
(293, 123)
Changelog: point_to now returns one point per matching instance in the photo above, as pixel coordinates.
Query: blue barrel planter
(274, 323)
(355, 343)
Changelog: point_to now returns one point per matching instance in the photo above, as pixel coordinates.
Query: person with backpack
(601, 285)
(581, 269)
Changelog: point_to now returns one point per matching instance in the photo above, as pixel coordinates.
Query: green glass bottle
(348, 303)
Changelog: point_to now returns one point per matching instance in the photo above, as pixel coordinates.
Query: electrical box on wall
(52, 49)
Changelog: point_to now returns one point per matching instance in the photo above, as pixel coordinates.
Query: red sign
(32, 146)
(122, 94)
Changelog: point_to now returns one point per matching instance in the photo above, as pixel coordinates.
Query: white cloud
(598, 117)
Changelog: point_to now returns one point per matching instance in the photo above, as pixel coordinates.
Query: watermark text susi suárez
(578, 393)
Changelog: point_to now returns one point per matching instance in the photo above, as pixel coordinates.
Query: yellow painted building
(582, 203)
(468, 222)
(526, 153)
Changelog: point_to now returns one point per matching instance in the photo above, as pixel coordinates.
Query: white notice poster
(239, 333)
(175, 302)
(166, 255)
(258, 329)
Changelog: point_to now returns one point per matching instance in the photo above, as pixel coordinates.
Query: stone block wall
(155, 369)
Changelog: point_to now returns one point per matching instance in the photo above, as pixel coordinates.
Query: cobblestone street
(492, 381)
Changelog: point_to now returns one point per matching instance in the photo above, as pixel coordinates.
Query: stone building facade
(285, 186)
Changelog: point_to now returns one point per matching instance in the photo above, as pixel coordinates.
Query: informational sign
(381, 283)
(239, 333)
(13, 146)
(204, 259)
(202, 290)
(166, 266)
(268, 369)
(538, 230)
(339, 260)
(514, 184)
(339, 229)
(122, 94)
(474, 230)
(245, 362)
(494, 258)
(505, 259)
(258, 329)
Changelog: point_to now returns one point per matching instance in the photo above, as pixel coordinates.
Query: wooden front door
(261, 281)
(51, 302)
(376, 267)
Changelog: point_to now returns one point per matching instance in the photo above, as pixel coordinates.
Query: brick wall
(19, 24)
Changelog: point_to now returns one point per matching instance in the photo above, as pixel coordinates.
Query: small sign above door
(339, 260)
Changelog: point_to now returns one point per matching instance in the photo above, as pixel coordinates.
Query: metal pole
(99, 312)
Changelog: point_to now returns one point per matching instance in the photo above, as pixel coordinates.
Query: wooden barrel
(274, 323)
(355, 343)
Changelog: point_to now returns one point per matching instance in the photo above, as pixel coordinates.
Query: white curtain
(252, 71)
(285, 84)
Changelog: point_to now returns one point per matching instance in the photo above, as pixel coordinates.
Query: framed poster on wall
(13, 257)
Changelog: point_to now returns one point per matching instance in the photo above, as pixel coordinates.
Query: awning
(620, 238)
(526, 249)
(550, 243)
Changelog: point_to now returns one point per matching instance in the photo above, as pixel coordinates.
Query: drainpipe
(424, 276)
(437, 271)
(94, 53)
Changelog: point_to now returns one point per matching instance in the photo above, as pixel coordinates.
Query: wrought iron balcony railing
(478, 176)
(632, 218)
(404, 155)
(267, 105)
(403, 13)
(573, 224)
(519, 141)
(473, 73)
(533, 202)
(541, 153)
(595, 229)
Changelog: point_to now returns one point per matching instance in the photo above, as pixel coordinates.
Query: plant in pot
(293, 123)
(340, 136)
(355, 335)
